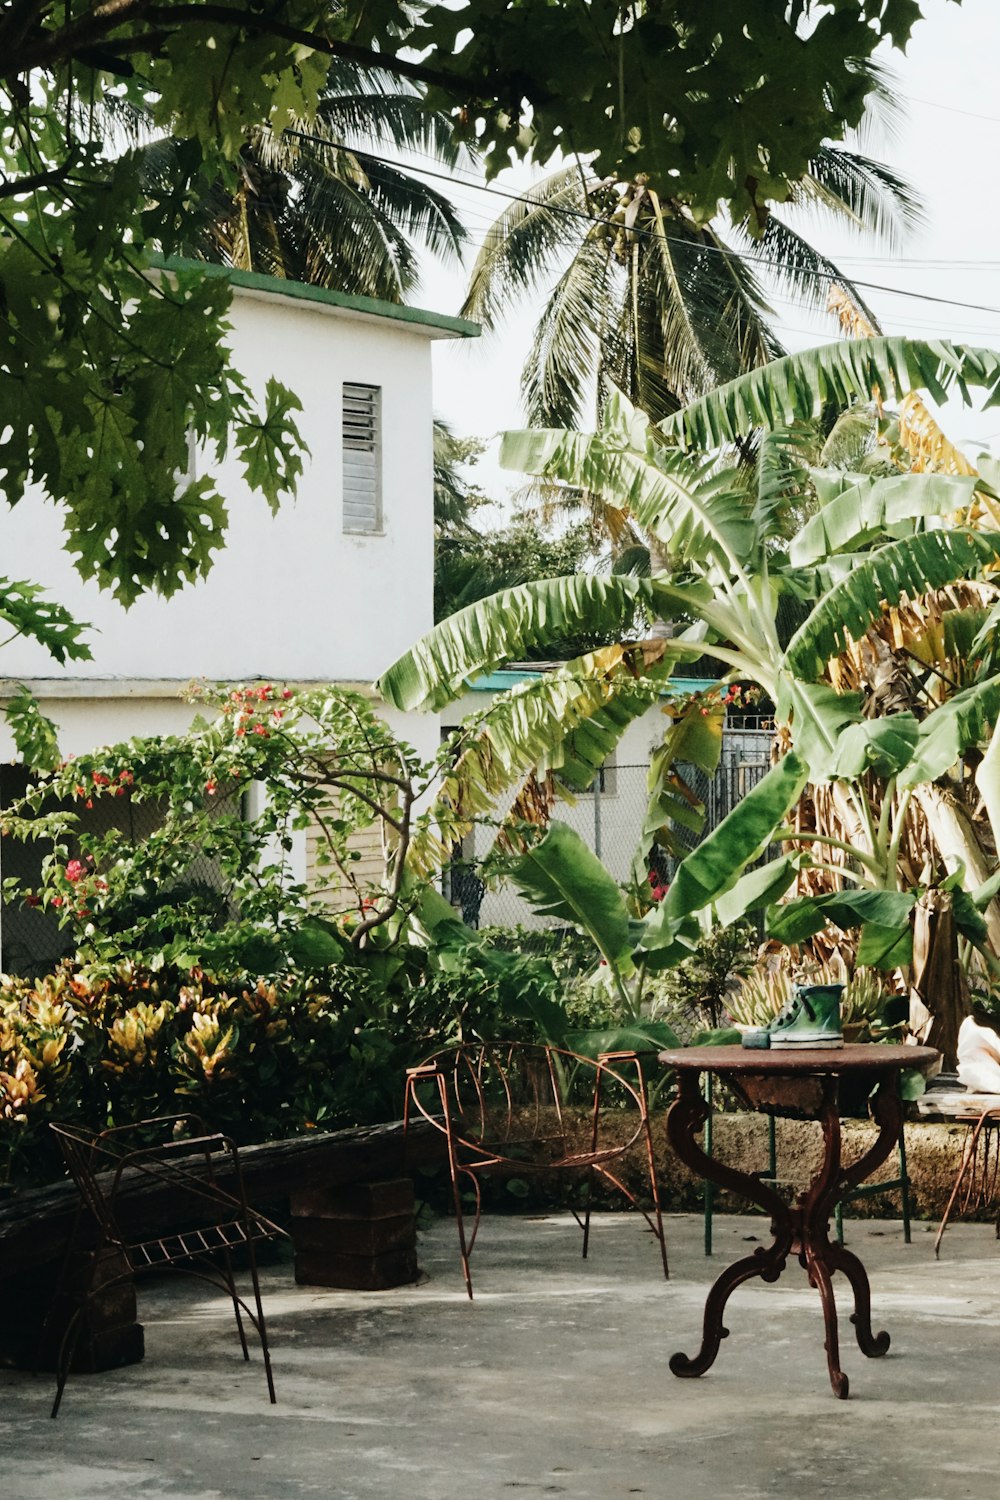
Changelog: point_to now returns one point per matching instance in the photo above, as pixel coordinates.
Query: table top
(858, 1057)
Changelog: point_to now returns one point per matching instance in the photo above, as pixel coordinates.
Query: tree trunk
(955, 836)
(939, 1000)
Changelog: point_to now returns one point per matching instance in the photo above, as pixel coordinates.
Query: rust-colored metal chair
(197, 1184)
(512, 1108)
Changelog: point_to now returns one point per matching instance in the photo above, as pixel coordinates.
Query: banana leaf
(756, 890)
(956, 726)
(717, 863)
(795, 921)
(562, 878)
(801, 385)
(506, 627)
(911, 566)
(871, 506)
(684, 500)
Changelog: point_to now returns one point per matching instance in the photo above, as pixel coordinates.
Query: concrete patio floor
(553, 1382)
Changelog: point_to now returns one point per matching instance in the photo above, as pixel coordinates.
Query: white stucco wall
(293, 596)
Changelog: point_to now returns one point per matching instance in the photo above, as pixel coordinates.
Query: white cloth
(978, 1057)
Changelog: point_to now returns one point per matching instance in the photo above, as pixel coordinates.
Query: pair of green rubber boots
(810, 1019)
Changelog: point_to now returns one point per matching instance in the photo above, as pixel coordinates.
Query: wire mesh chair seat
(508, 1108)
(212, 1218)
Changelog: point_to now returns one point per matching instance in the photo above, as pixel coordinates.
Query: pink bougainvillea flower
(75, 869)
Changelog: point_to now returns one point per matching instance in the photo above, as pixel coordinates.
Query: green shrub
(259, 1060)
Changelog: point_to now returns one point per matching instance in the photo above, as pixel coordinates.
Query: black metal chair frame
(104, 1165)
(487, 1134)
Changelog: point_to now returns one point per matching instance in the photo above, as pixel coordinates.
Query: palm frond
(400, 120)
(869, 193)
(344, 237)
(566, 343)
(732, 311)
(524, 244)
(799, 268)
(852, 438)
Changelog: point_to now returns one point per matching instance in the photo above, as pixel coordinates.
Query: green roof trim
(256, 281)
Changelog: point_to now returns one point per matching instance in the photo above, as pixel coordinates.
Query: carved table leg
(768, 1264)
(819, 1277)
(874, 1345)
(803, 1229)
(686, 1116)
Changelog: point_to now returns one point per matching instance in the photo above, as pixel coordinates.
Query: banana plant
(725, 582)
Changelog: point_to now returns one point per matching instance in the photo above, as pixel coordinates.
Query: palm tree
(319, 205)
(652, 303)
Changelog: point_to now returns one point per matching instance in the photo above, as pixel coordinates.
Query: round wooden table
(801, 1083)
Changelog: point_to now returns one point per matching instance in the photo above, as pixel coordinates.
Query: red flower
(89, 802)
(210, 788)
(57, 900)
(32, 900)
(75, 869)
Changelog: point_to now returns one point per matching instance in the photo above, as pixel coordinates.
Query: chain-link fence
(609, 819)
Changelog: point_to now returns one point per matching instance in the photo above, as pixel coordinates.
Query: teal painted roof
(508, 677)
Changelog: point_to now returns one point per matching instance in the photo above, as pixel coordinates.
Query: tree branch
(13, 188)
(100, 25)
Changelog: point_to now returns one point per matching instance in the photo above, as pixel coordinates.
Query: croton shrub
(258, 1059)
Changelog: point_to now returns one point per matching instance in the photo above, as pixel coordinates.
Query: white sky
(948, 147)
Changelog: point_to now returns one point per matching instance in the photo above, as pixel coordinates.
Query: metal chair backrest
(529, 1106)
(115, 1172)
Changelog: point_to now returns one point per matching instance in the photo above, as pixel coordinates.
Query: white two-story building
(331, 589)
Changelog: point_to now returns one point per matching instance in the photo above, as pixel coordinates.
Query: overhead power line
(591, 220)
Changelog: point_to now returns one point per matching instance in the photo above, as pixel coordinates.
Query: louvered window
(362, 457)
